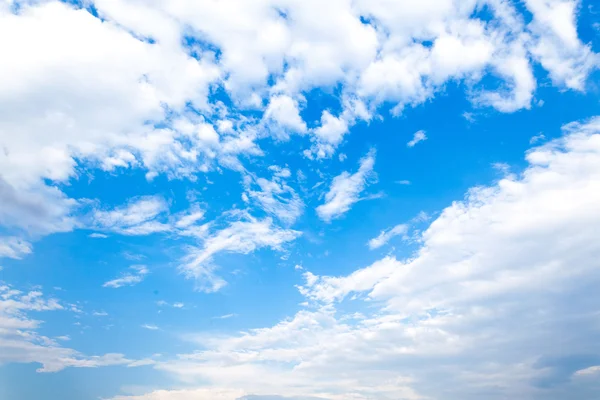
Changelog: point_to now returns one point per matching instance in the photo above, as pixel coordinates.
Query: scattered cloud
(136, 117)
(21, 342)
(517, 293)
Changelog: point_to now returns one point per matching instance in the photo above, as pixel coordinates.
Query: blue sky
(287, 199)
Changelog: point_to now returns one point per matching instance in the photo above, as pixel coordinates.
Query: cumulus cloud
(346, 188)
(283, 110)
(499, 299)
(127, 85)
(137, 275)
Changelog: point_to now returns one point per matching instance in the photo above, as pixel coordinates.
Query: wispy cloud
(137, 275)
(96, 235)
(100, 313)
(275, 196)
(140, 216)
(386, 235)
(150, 327)
(345, 189)
(537, 138)
(226, 316)
(241, 236)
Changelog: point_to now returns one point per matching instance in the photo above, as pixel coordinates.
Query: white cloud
(403, 182)
(100, 313)
(345, 189)
(189, 218)
(590, 371)
(96, 235)
(150, 327)
(188, 394)
(556, 44)
(536, 138)
(499, 300)
(21, 342)
(275, 196)
(385, 236)
(125, 83)
(226, 316)
(240, 236)
(284, 111)
(35, 210)
(13, 247)
(137, 275)
(419, 136)
(138, 217)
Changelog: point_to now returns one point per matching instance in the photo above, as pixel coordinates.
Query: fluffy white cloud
(137, 275)
(284, 111)
(499, 300)
(137, 92)
(385, 236)
(346, 188)
(556, 44)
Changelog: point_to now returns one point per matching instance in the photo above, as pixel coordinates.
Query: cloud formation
(497, 298)
(243, 235)
(136, 93)
(419, 136)
(346, 188)
(137, 274)
(386, 235)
